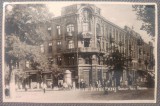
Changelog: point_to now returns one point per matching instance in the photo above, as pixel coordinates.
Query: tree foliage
(25, 30)
(146, 13)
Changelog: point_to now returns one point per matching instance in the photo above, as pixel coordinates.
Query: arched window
(98, 30)
(86, 17)
(86, 13)
(70, 44)
(70, 28)
(85, 27)
(58, 30)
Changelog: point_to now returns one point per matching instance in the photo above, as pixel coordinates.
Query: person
(65, 86)
(106, 85)
(7, 91)
(96, 85)
(52, 85)
(44, 87)
(84, 85)
(81, 84)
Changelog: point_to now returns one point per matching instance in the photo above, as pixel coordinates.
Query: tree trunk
(12, 84)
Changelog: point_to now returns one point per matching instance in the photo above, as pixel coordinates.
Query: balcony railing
(86, 35)
(84, 49)
(69, 34)
(70, 50)
(90, 49)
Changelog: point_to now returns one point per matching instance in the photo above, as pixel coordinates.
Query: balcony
(72, 50)
(90, 49)
(69, 34)
(86, 35)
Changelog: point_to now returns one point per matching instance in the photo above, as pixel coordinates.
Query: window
(123, 39)
(102, 31)
(59, 43)
(70, 28)
(59, 60)
(85, 27)
(17, 64)
(99, 60)
(103, 45)
(86, 43)
(117, 35)
(107, 46)
(42, 48)
(98, 30)
(107, 35)
(87, 60)
(86, 14)
(110, 32)
(98, 45)
(114, 32)
(58, 30)
(49, 31)
(27, 64)
(49, 47)
(120, 36)
(70, 44)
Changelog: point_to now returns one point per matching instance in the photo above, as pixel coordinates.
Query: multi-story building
(81, 38)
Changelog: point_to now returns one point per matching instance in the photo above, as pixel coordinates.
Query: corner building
(80, 39)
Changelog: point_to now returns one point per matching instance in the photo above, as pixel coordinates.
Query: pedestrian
(81, 84)
(96, 85)
(7, 91)
(44, 87)
(52, 85)
(84, 85)
(65, 86)
(107, 85)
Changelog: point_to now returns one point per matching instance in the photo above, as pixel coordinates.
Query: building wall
(81, 49)
(99, 33)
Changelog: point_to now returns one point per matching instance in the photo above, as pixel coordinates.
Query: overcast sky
(119, 14)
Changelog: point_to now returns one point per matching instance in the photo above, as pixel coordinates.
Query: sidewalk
(81, 95)
(86, 89)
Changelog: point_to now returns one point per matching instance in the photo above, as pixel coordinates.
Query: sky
(119, 14)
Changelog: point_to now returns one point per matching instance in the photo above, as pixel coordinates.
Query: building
(81, 38)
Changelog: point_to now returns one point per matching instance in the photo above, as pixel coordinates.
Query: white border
(89, 2)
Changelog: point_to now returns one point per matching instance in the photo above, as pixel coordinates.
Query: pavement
(71, 96)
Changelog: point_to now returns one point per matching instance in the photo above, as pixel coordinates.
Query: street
(81, 96)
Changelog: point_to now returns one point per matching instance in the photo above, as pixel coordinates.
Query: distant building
(81, 38)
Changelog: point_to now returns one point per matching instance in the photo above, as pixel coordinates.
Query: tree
(56, 73)
(25, 31)
(146, 13)
(116, 63)
(115, 60)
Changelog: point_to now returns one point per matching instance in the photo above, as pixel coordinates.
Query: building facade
(81, 39)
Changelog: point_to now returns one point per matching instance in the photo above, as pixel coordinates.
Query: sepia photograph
(79, 52)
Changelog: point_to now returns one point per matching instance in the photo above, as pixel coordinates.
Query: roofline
(104, 19)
